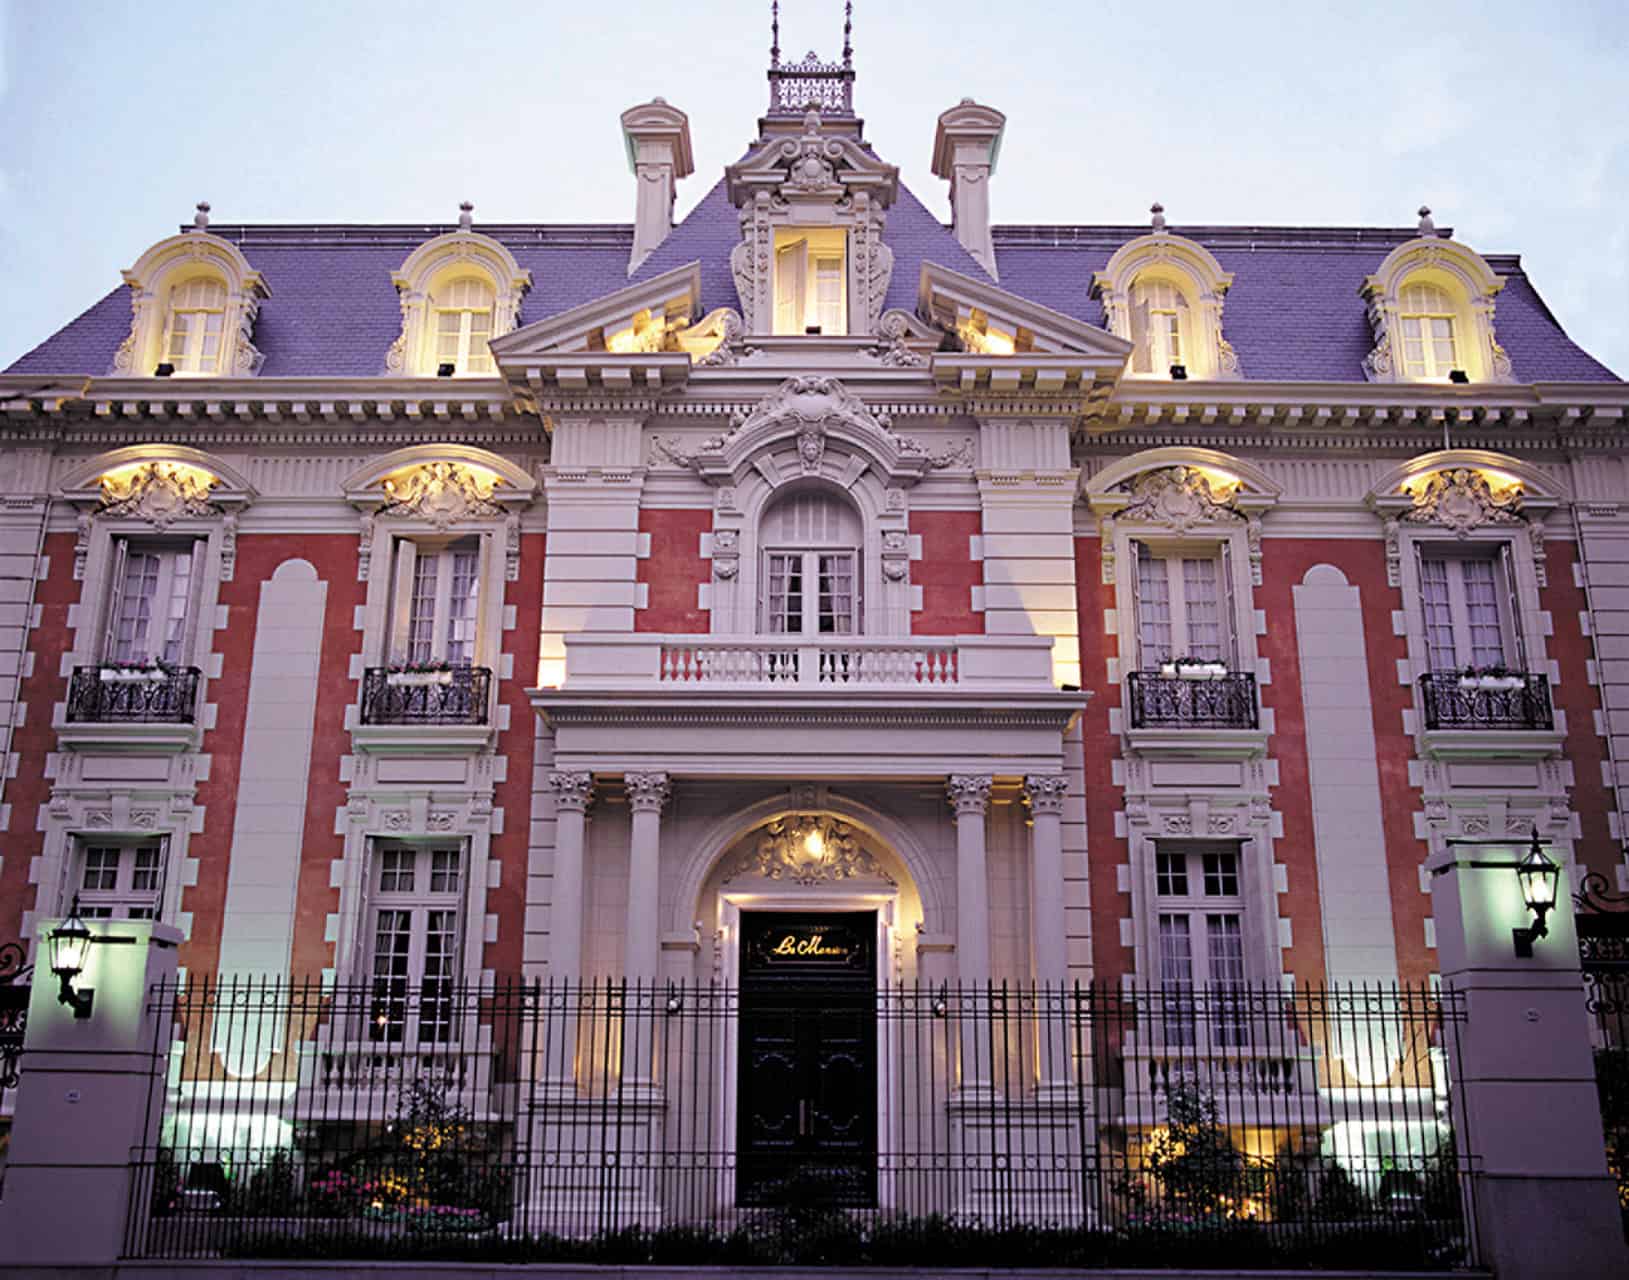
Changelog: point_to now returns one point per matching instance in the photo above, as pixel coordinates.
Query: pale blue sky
(1511, 119)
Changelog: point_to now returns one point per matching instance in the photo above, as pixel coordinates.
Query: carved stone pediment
(442, 493)
(807, 850)
(1180, 498)
(1463, 500)
(159, 493)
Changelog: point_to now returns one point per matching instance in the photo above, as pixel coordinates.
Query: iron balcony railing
(1177, 702)
(457, 695)
(1517, 701)
(133, 695)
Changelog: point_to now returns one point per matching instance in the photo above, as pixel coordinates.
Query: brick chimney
(965, 146)
(658, 140)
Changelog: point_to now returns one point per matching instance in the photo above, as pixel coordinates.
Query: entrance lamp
(70, 949)
(1539, 877)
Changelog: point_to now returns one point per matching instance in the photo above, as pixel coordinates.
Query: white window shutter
(401, 604)
(1141, 358)
(115, 599)
(1133, 576)
(1231, 648)
(1516, 647)
(1420, 613)
(195, 597)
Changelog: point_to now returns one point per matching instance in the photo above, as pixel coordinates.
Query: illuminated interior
(811, 280)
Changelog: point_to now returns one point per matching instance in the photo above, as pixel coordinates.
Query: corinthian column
(1044, 794)
(970, 797)
(647, 796)
(572, 794)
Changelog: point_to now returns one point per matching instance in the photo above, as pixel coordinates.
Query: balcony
(1488, 717)
(133, 695)
(455, 696)
(736, 704)
(1175, 702)
(1504, 703)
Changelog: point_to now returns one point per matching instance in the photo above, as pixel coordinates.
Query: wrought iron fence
(14, 992)
(1174, 702)
(1454, 701)
(1602, 919)
(562, 1121)
(457, 695)
(104, 695)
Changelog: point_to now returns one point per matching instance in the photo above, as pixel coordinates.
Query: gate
(1602, 919)
(14, 989)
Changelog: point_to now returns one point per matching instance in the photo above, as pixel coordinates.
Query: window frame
(122, 546)
(1506, 602)
(399, 1002)
(120, 901)
(1142, 549)
(812, 553)
(407, 553)
(808, 247)
(464, 355)
(190, 363)
(1177, 1024)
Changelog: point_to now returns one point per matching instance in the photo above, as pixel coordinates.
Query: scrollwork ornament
(1180, 498)
(159, 493)
(442, 493)
(808, 850)
(1463, 500)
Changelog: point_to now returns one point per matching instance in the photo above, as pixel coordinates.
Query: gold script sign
(814, 945)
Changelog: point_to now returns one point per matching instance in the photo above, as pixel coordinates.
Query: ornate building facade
(1050, 603)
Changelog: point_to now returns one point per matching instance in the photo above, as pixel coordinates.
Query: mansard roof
(1293, 313)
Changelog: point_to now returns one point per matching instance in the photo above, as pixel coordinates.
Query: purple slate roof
(1293, 312)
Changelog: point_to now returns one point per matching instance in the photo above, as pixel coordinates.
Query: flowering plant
(1492, 669)
(416, 666)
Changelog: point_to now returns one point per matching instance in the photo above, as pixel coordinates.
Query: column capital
(647, 792)
(572, 789)
(968, 793)
(1045, 792)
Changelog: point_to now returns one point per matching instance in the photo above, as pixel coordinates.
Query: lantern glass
(1539, 878)
(70, 946)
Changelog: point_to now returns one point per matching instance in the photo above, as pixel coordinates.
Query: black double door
(806, 1118)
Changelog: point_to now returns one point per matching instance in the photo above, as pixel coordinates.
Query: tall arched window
(1159, 326)
(1426, 314)
(196, 323)
(463, 310)
(812, 577)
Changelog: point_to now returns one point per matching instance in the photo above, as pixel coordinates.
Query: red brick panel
(947, 573)
(674, 570)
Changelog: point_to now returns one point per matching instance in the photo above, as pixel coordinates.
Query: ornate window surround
(1194, 270)
(438, 261)
(433, 491)
(1452, 496)
(811, 432)
(175, 261)
(1468, 280)
(816, 179)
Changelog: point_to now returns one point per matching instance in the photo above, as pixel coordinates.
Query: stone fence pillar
(1545, 1202)
(86, 1100)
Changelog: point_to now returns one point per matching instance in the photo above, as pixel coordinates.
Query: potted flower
(1495, 678)
(151, 671)
(419, 674)
(1199, 669)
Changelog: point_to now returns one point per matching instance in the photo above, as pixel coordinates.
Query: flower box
(133, 675)
(1201, 670)
(417, 679)
(1491, 684)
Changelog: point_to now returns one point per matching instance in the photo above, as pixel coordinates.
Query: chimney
(658, 140)
(965, 146)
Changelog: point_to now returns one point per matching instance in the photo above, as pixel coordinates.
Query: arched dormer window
(463, 310)
(194, 298)
(194, 329)
(1161, 333)
(1431, 308)
(458, 292)
(1163, 293)
(812, 576)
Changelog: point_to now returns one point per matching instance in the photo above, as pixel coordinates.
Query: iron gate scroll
(14, 991)
(1602, 921)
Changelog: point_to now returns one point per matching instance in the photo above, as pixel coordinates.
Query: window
(116, 880)
(152, 601)
(437, 593)
(1470, 610)
(811, 281)
(192, 336)
(811, 566)
(463, 311)
(1200, 934)
(413, 943)
(1426, 315)
(1159, 326)
(1183, 602)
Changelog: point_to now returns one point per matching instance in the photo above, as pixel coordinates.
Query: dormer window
(811, 285)
(1159, 326)
(192, 335)
(1426, 316)
(464, 325)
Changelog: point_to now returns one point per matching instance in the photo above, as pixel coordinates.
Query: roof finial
(1158, 210)
(774, 33)
(848, 30)
(1427, 227)
(200, 220)
(466, 211)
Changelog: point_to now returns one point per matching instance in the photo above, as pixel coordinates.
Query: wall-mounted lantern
(70, 949)
(1539, 877)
